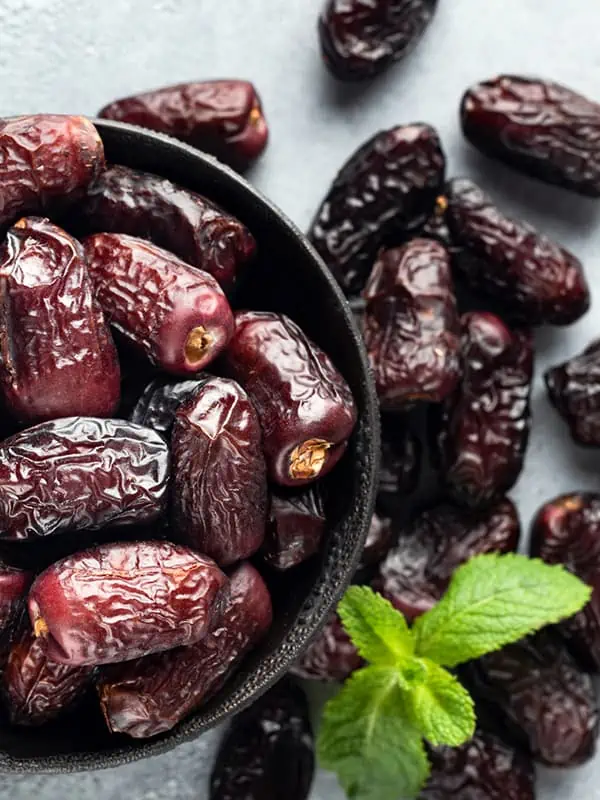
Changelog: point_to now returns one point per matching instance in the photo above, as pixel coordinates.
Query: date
(151, 695)
(160, 400)
(123, 600)
(400, 470)
(219, 498)
(574, 391)
(411, 326)
(538, 127)
(331, 656)
(80, 473)
(295, 527)
(379, 541)
(386, 189)
(305, 406)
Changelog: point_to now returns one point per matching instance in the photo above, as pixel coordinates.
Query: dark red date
(387, 188)
(538, 127)
(295, 526)
(379, 541)
(360, 39)
(482, 429)
(123, 600)
(537, 281)
(305, 406)
(160, 400)
(411, 326)
(400, 468)
(123, 200)
(14, 584)
(574, 390)
(219, 496)
(331, 656)
(223, 117)
(151, 695)
(175, 314)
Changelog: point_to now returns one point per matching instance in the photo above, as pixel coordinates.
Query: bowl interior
(287, 277)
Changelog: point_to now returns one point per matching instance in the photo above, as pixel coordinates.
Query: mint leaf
(378, 631)
(493, 600)
(366, 739)
(442, 709)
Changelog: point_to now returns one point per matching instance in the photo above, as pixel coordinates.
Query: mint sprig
(372, 732)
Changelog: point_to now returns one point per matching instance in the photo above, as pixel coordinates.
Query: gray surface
(75, 55)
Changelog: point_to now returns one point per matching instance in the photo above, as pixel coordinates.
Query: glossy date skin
(200, 233)
(295, 526)
(80, 473)
(151, 695)
(57, 356)
(416, 572)
(305, 406)
(219, 497)
(538, 281)
(48, 161)
(574, 390)
(538, 127)
(160, 400)
(482, 429)
(268, 751)
(223, 117)
(331, 656)
(360, 39)
(411, 326)
(175, 314)
(123, 600)
(400, 469)
(386, 189)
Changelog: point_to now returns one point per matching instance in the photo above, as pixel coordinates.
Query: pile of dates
(135, 485)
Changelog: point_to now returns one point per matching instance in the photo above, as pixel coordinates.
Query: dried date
(295, 526)
(574, 390)
(158, 404)
(387, 188)
(538, 127)
(331, 656)
(14, 584)
(400, 468)
(379, 541)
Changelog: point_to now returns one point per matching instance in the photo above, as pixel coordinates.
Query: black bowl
(288, 277)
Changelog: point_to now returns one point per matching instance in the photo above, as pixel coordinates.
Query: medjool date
(574, 390)
(160, 400)
(331, 656)
(295, 527)
(379, 540)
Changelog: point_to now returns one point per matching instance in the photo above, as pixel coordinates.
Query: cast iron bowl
(289, 277)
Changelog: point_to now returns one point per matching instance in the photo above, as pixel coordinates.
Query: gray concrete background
(76, 55)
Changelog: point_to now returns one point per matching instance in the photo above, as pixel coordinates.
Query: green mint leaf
(494, 600)
(367, 740)
(442, 709)
(378, 631)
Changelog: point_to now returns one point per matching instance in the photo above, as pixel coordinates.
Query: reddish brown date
(48, 160)
(387, 188)
(305, 406)
(36, 689)
(57, 357)
(151, 695)
(546, 702)
(78, 473)
(331, 656)
(14, 584)
(359, 39)
(268, 751)
(158, 404)
(574, 390)
(400, 468)
(482, 429)
(175, 314)
(411, 326)
(537, 281)
(223, 117)
(538, 127)
(417, 571)
(379, 541)
(123, 200)
(219, 498)
(295, 526)
(123, 600)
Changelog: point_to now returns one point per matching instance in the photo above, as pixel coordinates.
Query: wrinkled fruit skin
(221, 117)
(268, 750)
(175, 314)
(566, 530)
(411, 326)
(124, 600)
(485, 768)
(14, 584)
(416, 572)
(387, 188)
(57, 357)
(540, 128)
(160, 400)
(330, 656)
(537, 281)
(482, 429)
(80, 473)
(360, 39)
(379, 541)
(574, 390)
(48, 160)
(219, 497)
(400, 469)
(151, 695)
(295, 526)
(305, 406)
(36, 689)
(546, 702)
(140, 204)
